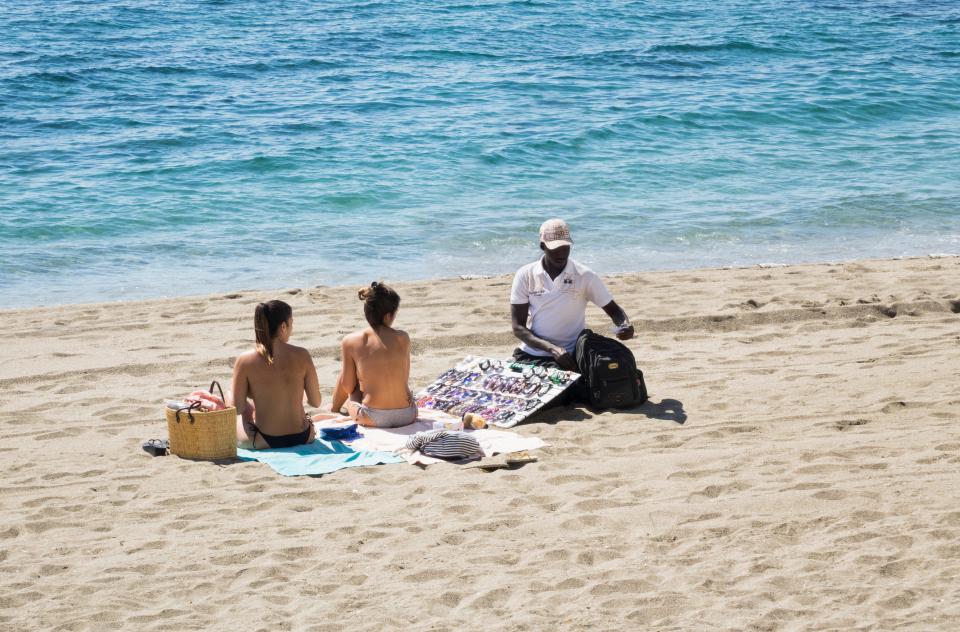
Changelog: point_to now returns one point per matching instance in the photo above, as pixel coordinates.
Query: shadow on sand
(665, 409)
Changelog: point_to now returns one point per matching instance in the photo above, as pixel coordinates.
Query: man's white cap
(555, 233)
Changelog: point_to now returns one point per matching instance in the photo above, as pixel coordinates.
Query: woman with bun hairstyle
(275, 376)
(376, 365)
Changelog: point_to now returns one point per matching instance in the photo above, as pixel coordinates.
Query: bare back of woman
(376, 366)
(276, 376)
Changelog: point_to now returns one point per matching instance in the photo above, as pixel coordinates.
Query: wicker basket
(206, 436)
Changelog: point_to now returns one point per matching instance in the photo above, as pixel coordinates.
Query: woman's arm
(238, 386)
(311, 384)
(347, 381)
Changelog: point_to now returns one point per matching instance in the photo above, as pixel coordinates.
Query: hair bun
(374, 290)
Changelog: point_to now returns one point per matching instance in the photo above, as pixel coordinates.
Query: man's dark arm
(619, 318)
(518, 318)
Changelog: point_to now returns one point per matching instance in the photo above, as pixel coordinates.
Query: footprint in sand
(844, 424)
(450, 599)
(596, 504)
(588, 520)
(831, 494)
(897, 406)
(902, 601)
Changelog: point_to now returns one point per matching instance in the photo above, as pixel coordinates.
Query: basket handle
(217, 384)
(189, 409)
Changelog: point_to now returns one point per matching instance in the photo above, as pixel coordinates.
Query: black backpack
(609, 372)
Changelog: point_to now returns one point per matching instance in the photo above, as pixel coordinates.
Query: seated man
(548, 302)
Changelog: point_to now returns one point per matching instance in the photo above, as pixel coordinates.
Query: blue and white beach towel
(319, 457)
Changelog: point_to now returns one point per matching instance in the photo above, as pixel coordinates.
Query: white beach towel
(395, 439)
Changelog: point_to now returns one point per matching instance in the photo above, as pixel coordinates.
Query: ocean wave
(635, 58)
(286, 64)
(261, 164)
(443, 53)
(146, 145)
(348, 201)
(167, 70)
(715, 47)
(45, 76)
(489, 5)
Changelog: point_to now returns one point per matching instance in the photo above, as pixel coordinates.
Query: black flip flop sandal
(156, 447)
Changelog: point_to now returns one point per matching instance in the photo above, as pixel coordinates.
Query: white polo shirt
(558, 307)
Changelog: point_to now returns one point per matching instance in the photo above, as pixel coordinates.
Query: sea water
(157, 148)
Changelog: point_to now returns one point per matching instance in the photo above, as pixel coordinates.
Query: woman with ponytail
(376, 365)
(275, 376)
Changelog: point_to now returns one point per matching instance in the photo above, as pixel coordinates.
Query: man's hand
(564, 359)
(624, 329)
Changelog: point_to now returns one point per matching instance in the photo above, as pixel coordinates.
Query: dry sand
(798, 468)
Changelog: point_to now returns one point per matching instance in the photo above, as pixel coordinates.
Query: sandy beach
(796, 468)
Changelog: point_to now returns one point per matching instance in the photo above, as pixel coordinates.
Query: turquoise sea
(163, 148)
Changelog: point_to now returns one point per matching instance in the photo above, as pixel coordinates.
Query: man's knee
(519, 355)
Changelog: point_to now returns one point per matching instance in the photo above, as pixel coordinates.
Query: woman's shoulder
(298, 352)
(354, 339)
(248, 357)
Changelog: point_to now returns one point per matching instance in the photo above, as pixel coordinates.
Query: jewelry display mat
(503, 392)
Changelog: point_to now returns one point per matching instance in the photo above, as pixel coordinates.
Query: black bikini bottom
(281, 441)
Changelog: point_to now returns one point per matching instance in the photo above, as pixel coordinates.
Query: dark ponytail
(379, 300)
(266, 321)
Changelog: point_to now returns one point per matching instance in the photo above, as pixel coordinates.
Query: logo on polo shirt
(568, 284)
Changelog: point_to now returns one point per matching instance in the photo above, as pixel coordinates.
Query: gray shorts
(389, 417)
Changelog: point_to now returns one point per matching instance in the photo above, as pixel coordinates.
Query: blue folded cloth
(319, 457)
(340, 433)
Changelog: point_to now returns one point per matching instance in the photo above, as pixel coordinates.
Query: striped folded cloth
(445, 444)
